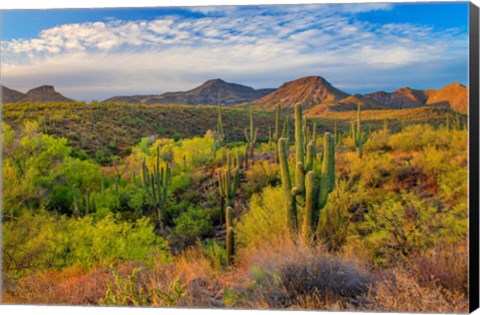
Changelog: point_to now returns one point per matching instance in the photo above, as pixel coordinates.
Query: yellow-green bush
(266, 219)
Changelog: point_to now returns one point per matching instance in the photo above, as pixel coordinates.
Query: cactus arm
(229, 240)
(299, 155)
(310, 156)
(327, 178)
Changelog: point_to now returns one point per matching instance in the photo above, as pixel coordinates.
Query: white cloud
(262, 47)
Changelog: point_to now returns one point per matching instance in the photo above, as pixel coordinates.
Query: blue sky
(97, 53)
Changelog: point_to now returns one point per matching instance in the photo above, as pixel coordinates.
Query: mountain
(400, 99)
(9, 95)
(211, 92)
(454, 96)
(308, 91)
(44, 94)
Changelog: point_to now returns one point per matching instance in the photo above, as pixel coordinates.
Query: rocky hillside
(349, 103)
(454, 96)
(10, 96)
(400, 99)
(211, 92)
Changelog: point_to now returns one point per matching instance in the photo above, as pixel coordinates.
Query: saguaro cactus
(229, 239)
(359, 137)
(156, 185)
(251, 136)
(310, 193)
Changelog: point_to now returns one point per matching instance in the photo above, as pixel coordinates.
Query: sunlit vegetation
(204, 207)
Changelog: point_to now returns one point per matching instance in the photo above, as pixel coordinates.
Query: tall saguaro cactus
(308, 192)
(359, 137)
(251, 136)
(156, 185)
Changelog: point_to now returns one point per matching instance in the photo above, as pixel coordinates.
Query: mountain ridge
(41, 94)
(210, 92)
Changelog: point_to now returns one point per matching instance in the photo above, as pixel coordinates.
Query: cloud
(258, 46)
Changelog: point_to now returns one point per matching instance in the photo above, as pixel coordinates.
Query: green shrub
(260, 175)
(265, 220)
(35, 242)
(192, 224)
(400, 226)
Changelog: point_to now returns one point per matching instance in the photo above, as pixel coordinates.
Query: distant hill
(10, 96)
(41, 94)
(211, 92)
(308, 91)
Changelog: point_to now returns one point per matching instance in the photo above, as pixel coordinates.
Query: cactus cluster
(81, 205)
(359, 137)
(156, 185)
(311, 190)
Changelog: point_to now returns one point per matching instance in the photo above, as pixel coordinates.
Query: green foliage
(401, 226)
(192, 224)
(37, 168)
(260, 175)
(35, 242)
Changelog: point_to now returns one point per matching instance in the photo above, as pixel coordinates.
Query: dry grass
(401, 292)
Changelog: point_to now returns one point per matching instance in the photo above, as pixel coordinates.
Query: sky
(93, 54)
